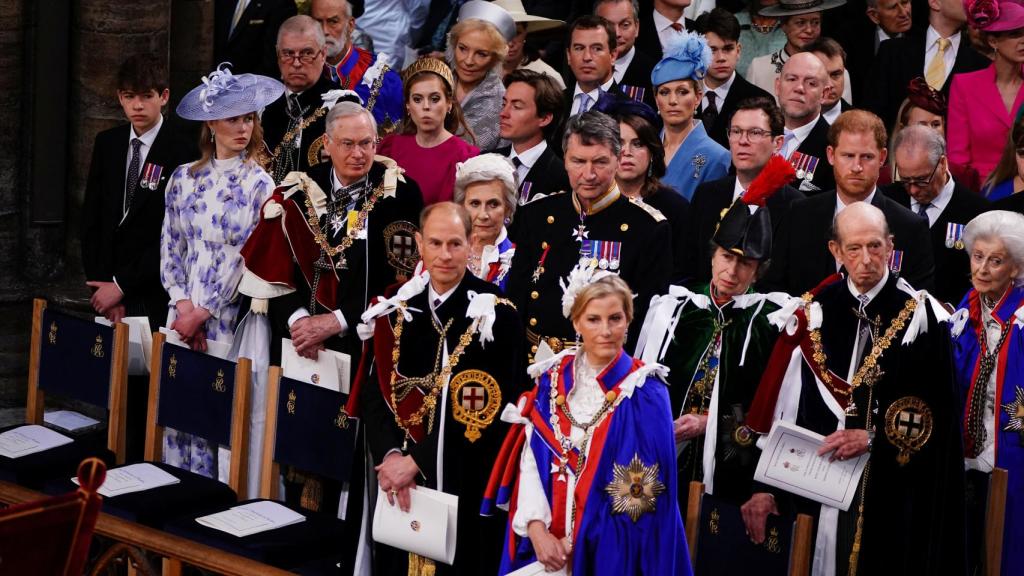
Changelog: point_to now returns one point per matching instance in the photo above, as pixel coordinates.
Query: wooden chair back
(995, 518)
(724, 519)
(80, 359)
(52, 536)
(203, 395)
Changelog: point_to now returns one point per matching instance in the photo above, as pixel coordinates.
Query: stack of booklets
(69, 420)
(252, 518)
(133, 478)
(29, 439)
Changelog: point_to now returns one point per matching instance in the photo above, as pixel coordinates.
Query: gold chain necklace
(869, 372)
(293, 133)
(350, 236)
(429, 404)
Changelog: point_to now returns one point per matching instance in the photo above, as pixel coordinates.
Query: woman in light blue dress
(212, 205)
(691, 156)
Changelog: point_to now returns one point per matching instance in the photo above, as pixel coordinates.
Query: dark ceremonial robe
(485, 378)
(635, 435)
(275, 121)
(967, 327)
(545, 233)
(800, 255)
(952, 265)
(709, 203)
(250, 47)
(913, 512)
(379, 86)
(282, 251)
(126, 247)
(704, 353)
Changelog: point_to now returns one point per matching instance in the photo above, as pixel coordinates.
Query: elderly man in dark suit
(245, 31)
(927, 188)
(900, 60)
(800, 259)
(799, 89)
(724, 88)
(632, 67)
(755, 135)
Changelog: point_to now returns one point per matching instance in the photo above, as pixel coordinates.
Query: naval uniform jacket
(546, 231)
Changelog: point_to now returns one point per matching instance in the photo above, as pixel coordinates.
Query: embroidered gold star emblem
(1015, 410)
(634, 488)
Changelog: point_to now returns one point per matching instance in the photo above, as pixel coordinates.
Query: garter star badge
(1015, 410)
(634, 488)
(908, 426)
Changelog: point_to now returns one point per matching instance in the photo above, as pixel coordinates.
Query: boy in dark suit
(123, 212)
(124, 198)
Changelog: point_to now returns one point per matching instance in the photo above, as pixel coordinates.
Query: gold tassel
(855, 551)
(420, 566)
(312, 494)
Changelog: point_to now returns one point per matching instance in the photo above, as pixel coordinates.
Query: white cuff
(341, 322)
(177, 294)
(114, 280)
(297, 315)
(532, 503)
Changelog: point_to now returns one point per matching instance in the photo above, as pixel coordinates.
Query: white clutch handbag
(427, 529)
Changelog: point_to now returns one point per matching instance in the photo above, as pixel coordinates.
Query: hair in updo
(610, 285)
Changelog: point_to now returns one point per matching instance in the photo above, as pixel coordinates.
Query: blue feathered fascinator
(687, 56)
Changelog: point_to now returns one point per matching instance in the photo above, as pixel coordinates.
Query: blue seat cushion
(312, 546)
(60, 463)
(154, 507)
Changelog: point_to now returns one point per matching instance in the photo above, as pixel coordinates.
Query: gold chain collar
(869, 371)
(350, 236)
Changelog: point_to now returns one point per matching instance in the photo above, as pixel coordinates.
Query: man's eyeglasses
(753, 134)
(306, 55)
(921, 181)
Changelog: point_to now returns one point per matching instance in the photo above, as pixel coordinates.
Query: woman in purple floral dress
(212, 206)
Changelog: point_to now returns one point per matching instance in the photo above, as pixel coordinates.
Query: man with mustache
(856, 150)
(352, 68)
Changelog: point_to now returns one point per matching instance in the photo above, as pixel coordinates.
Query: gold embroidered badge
(908, 426)
(97, 347)
(634, 488)
(476, 400)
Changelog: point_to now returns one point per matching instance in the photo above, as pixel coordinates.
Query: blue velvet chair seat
(59, 463)
(155, 507)
(310, 547)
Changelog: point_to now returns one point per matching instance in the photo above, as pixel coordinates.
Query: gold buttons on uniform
(624, 227)
(534, 295)
(533, 321)
(533, 349)
(551, 219)
(544, 245)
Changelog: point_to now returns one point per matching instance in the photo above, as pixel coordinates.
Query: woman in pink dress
(983, 104)
(426, 148)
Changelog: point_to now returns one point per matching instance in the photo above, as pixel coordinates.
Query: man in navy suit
(123, 212)
(531, 108)
(632, 67)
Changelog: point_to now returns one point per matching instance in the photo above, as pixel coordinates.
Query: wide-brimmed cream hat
(519, 15)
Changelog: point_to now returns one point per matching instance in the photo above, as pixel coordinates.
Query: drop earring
(212, 134)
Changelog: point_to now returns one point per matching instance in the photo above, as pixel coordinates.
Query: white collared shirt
(832, 114)
(664, 27)
(870, 294)
(440, 299)
(594, 94)
(622, 63)
(931, 47)
(799, 134)
(721, 93)
(147, 142)
(527, 158)
(737, 191)
(938, 204)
